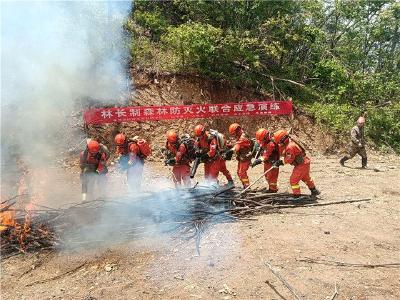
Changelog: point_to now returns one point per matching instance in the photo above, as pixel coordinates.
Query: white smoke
(53, 53)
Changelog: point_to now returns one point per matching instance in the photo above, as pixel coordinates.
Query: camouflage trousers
(355, 149)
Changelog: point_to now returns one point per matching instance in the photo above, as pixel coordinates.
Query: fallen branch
(285, 283)
(274, 289)
(344, 264)
(325, 203)
(335, 293)
(58, 276)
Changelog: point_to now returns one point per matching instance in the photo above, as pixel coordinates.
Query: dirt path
(232, 260)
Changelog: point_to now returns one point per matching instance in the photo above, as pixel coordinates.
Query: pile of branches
(31, 231)
(183, 213)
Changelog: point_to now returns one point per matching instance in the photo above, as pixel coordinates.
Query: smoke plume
(53, 53)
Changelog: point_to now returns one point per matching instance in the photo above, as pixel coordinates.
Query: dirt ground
(233, 256)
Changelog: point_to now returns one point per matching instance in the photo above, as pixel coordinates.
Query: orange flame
(7, 218)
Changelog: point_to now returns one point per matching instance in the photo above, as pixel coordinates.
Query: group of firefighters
(210, 147)
(184, 153)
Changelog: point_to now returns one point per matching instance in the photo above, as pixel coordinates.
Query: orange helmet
(262, 134)
(172, 136)
(120, 139)
(233, 128)
(93, 146)
(361, 120)
(281, 136)
(199, 130)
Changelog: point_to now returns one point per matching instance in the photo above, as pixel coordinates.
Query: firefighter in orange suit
(131, 156)
(270, 153)
(243, 150)
(295, 155)
(93, 162)
(178, 158)
(210, 153)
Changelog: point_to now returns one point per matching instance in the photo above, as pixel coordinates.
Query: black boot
(314, 192)
(269, 191)
(364, 162)
(343, 160)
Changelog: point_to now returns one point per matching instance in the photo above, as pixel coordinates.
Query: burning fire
(8, 218)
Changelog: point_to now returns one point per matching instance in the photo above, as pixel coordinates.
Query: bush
(196, 44)
(382, 124)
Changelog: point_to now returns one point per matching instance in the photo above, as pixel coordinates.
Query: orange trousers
(271, 176)
(301, 172)
(212, 169)
(242, 168)
(181, 175)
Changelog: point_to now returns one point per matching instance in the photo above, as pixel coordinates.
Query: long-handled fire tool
(273, 167)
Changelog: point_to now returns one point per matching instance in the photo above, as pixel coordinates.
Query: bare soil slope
(176, 89)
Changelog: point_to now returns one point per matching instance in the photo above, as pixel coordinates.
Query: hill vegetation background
(336, 59)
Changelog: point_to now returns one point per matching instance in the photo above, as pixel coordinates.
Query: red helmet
(262, 134)
(281, 136)
(199, 130)
(120, 139)
(93, 146)
(361, 120)
(172, 136)
(233, 128)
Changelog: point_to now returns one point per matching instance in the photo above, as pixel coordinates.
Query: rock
(108, 268)
(179, 277)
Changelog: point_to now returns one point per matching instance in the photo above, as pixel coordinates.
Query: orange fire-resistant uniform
(215, 163)
(181, 169)
(243, 151)
(94, 170)
(296, 156)
(272, 152)
(133, 160)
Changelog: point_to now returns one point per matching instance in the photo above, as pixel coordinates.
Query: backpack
(144, 146)
(189, 144)
(221, 141)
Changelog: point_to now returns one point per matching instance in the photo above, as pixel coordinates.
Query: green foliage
(336, 57)
(384, 126)
(195, 44)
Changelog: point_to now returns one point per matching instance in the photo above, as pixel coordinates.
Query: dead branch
(58, 276)
(285, 283)
(335, 293)
(326, 203)
(274, 289)
(345, 264)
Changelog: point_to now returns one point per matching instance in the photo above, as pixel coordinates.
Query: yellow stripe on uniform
(295, 186)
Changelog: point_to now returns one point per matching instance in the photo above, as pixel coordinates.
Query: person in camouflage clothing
(357, 144)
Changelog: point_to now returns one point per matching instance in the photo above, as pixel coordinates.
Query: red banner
(146, 113)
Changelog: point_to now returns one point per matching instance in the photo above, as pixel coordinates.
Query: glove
(227, 155)
(204, 156)
(170, 162)
(278, 163)
(256, 162)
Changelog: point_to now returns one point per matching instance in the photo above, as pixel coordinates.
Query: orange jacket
(131, 149)
(178, 152)
(272, 151)
(294, 154)
(95, 162)
(208, 143)
(243, 143)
